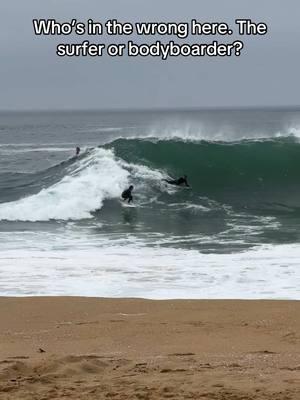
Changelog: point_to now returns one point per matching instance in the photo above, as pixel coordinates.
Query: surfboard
(126, 205)
(178, 186)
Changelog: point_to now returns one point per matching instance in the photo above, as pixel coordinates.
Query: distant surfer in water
(77, 151)
(126, 195)
(182, 181)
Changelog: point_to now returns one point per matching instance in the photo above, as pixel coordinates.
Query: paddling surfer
(182, 181)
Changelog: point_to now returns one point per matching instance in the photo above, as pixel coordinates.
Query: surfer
(126, 195)
(182, 181)
(77, 151)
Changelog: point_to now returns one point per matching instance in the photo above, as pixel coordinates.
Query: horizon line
(155, 109)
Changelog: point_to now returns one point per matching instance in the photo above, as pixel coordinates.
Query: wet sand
(86, 348)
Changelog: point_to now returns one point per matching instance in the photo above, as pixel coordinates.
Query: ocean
(234, 234)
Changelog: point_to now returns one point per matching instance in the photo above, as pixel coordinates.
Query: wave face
(226, 170)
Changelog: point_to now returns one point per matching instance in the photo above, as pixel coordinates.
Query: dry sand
(83, 348)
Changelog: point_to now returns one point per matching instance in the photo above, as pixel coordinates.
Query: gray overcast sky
(33, 77)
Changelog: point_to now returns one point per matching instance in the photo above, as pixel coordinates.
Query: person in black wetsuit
(77, 151)
(182, 181)
(126, 195)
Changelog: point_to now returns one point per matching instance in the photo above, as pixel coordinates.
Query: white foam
(130, 269)
(91, 180)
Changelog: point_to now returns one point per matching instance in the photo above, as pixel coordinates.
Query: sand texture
(85, 348)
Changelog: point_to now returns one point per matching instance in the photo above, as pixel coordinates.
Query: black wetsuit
(178, 182)
(127, 195)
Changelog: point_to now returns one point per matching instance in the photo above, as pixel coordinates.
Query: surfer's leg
(130, 199)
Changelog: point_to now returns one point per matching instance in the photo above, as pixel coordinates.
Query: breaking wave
(250, 173)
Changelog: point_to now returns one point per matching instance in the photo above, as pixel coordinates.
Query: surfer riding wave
(127, 194)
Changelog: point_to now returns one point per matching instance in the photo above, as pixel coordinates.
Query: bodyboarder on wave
(127, 195)
(182, 181)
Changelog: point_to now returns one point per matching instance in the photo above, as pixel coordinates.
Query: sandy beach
(87, 348)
